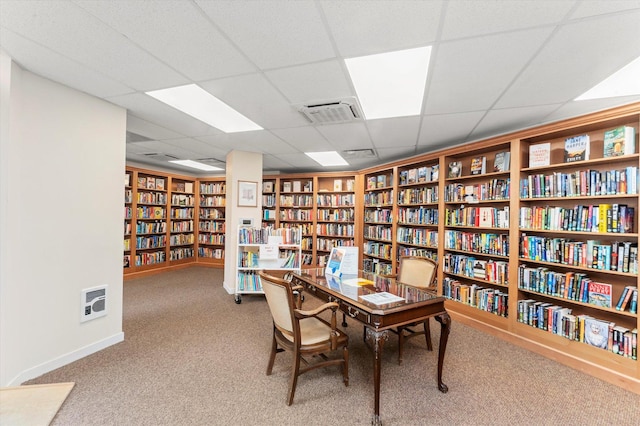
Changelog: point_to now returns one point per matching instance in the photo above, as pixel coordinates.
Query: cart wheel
(238, 299)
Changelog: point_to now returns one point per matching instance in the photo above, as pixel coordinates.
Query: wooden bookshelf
(211, 221)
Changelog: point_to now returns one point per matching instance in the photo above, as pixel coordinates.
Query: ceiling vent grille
(359, 153)
(158, 156)
(340, 111)
(211, 161)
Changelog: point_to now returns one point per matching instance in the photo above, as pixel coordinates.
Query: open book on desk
(381, 298)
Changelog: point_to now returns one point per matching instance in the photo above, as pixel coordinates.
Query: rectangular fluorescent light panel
(390, 84)
(625, 82)
(200, 104)
(196, 165)
(327, 158)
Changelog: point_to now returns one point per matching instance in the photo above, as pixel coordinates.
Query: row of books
(211, 188)
(478, 165)
(336, 200)
(414, 251)
(486, 299)
(378, 216)
(182, 200)
(186, 187)
(157, 198)
(296, 214)
(213, 201)
(152, 241)
(183, 226)
(482, 217)
(150, 182)
(378, 232)
(289, 259)
(581, 183)
(147, 212)
(211, 253)
(211, 214)
(181, 253)
(580, 328)
(296, 201)
(211, 239)
(417, 216)
(419, 175)
(615, 256)
(420, 195)
(211, 226)
(379, 181)
(341, 229)
(148, 258)
(374, 199)
(181, 239)
(128, 196)
(181, 213)
(248, 281)
(469, 266)
(297, 186)
(376, 266)
(158, 227)
(268, 200)
(337, 215)
(477, 242)
(247, 235)
(379, 250)
(326, 244)
(612, 218)
(417, 236)
(628, 299)
(495, 189)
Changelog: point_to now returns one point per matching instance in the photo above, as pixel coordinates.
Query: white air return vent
(332, 112)
(359, 153)
(211, 161)
(159, 156)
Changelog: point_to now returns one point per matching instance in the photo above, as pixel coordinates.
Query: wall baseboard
(63, 360)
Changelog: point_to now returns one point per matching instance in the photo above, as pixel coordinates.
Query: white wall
(245, 166)
(63, 161)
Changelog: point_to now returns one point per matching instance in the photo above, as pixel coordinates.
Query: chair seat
(312, 331)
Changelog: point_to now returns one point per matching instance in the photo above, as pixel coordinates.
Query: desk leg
(445, 321)
(377, 339)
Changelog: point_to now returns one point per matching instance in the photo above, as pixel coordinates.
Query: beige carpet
(32, 405)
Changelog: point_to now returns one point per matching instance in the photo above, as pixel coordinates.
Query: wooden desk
(378, 319)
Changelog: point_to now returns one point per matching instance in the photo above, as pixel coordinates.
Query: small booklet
(381, 298)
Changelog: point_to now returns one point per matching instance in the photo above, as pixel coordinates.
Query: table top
(370, 291)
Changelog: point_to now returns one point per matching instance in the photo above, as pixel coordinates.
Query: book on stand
(540, 154)
(596, 333)
(337, 184)
(501, 161)
(619, 141)
(577, 148)
(455, 169)
(479, 165)
(600, 294)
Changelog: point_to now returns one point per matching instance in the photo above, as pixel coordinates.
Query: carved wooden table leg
(377, 339)
(445, 321)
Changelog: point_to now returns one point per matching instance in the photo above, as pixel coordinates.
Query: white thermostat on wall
(93, 303)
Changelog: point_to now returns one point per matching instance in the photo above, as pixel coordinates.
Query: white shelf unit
(265, 249)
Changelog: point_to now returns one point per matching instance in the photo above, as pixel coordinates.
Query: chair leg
(345, 366)
(295, 372)
(427, 334)
(272, 358)
(400, 344)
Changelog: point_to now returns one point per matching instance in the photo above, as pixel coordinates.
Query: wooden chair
(418, 272)
(302, 332)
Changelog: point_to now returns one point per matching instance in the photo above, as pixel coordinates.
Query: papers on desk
(356, 281)
(381, 298)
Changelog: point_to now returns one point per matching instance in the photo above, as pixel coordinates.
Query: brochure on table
(343, 261)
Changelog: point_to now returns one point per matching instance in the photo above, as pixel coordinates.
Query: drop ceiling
(496, 67)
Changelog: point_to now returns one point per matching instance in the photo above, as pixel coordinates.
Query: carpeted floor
(191, 356)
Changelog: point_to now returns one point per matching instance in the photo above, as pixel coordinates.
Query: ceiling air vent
(359, 153)
(341, 111)
(158, 156)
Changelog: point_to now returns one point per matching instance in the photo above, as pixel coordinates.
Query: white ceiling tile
(470, 74)
(150, 130)
(198, 149)
(307, 84)
(386, 155)
(274, 163)
(394, 132)
(388, 25)
(593, 8)
(72, 32)
(556, 75)
(158, 113)
(297, 159)
(51, 65)
(493, 123)
(188, 41)
(346, 136)
(577, 108)
(305, 139)
(466, 18)
(258, 141)
(253, 96)
(273, 33)
(438, 131)
(161, 147)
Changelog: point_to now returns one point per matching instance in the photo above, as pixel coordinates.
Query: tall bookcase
(211, 220)
(379, 228)
(296, 209)
(182, 241)
(128, 218)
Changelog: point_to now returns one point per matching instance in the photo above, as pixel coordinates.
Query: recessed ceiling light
(625, 82)
(390, 84)
(327, 158)
(197, 102)
(196, 165)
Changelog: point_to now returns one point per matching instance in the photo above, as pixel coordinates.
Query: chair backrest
(280, 300)
(417, 271)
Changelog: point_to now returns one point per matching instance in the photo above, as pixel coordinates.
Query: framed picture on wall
(247, 194)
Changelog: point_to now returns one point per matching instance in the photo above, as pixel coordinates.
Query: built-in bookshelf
(211, 220)
(476, 236)
(335, 215)
(182, 241)
(296, 209)
(417, 209)
(150, 215)
(379, 228)
(269, 201)
(128, 216)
